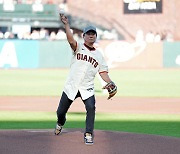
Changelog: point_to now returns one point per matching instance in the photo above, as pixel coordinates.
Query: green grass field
(138, 83)
(166, 125)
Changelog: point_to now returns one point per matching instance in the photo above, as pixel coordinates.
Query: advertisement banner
(142, 6)
(122, 54)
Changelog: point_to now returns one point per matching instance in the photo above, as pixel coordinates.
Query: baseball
(61, 12)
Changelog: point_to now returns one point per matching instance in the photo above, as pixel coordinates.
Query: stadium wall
(32, 54)
(111, 15)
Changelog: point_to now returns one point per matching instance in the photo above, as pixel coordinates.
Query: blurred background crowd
(131, 33)
(119, 20)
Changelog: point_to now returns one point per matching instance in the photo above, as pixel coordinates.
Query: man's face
(90, 36)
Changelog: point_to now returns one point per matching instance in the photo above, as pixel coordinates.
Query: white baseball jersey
(85, 64)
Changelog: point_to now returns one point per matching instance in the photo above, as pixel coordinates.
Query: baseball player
(86, 62)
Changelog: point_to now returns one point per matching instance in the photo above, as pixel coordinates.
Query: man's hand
(64, 19)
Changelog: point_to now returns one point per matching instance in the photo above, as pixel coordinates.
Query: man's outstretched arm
(69, 34)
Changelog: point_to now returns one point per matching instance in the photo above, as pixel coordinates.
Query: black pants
(64, 105)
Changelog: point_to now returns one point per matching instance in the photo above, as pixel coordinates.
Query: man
(86, 62)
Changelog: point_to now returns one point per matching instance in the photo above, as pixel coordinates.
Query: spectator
(35, 35)
(8, 5)
(27, 36)
(61, 35)
(169, 36)
(50, 2)
(52, 35)
(157, 37)
(44, 34)
(8, 35)
(139, 36)
(1, 35)
(150, 37)
(63, 6)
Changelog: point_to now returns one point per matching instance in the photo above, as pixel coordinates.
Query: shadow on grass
(165, 128)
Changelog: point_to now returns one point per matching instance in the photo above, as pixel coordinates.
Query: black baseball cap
(89, 28)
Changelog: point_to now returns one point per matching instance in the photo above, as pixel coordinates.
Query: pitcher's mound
(71, 142)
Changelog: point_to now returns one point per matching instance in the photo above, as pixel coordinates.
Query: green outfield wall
(171, 54)
(54, 54)
(34, 54)
(30, 54)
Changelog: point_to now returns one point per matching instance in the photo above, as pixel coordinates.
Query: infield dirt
(117, 105)
(71, 140)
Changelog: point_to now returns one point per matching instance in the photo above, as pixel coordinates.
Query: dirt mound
(71, 141)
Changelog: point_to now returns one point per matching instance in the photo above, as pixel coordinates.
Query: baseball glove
(111, 88)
